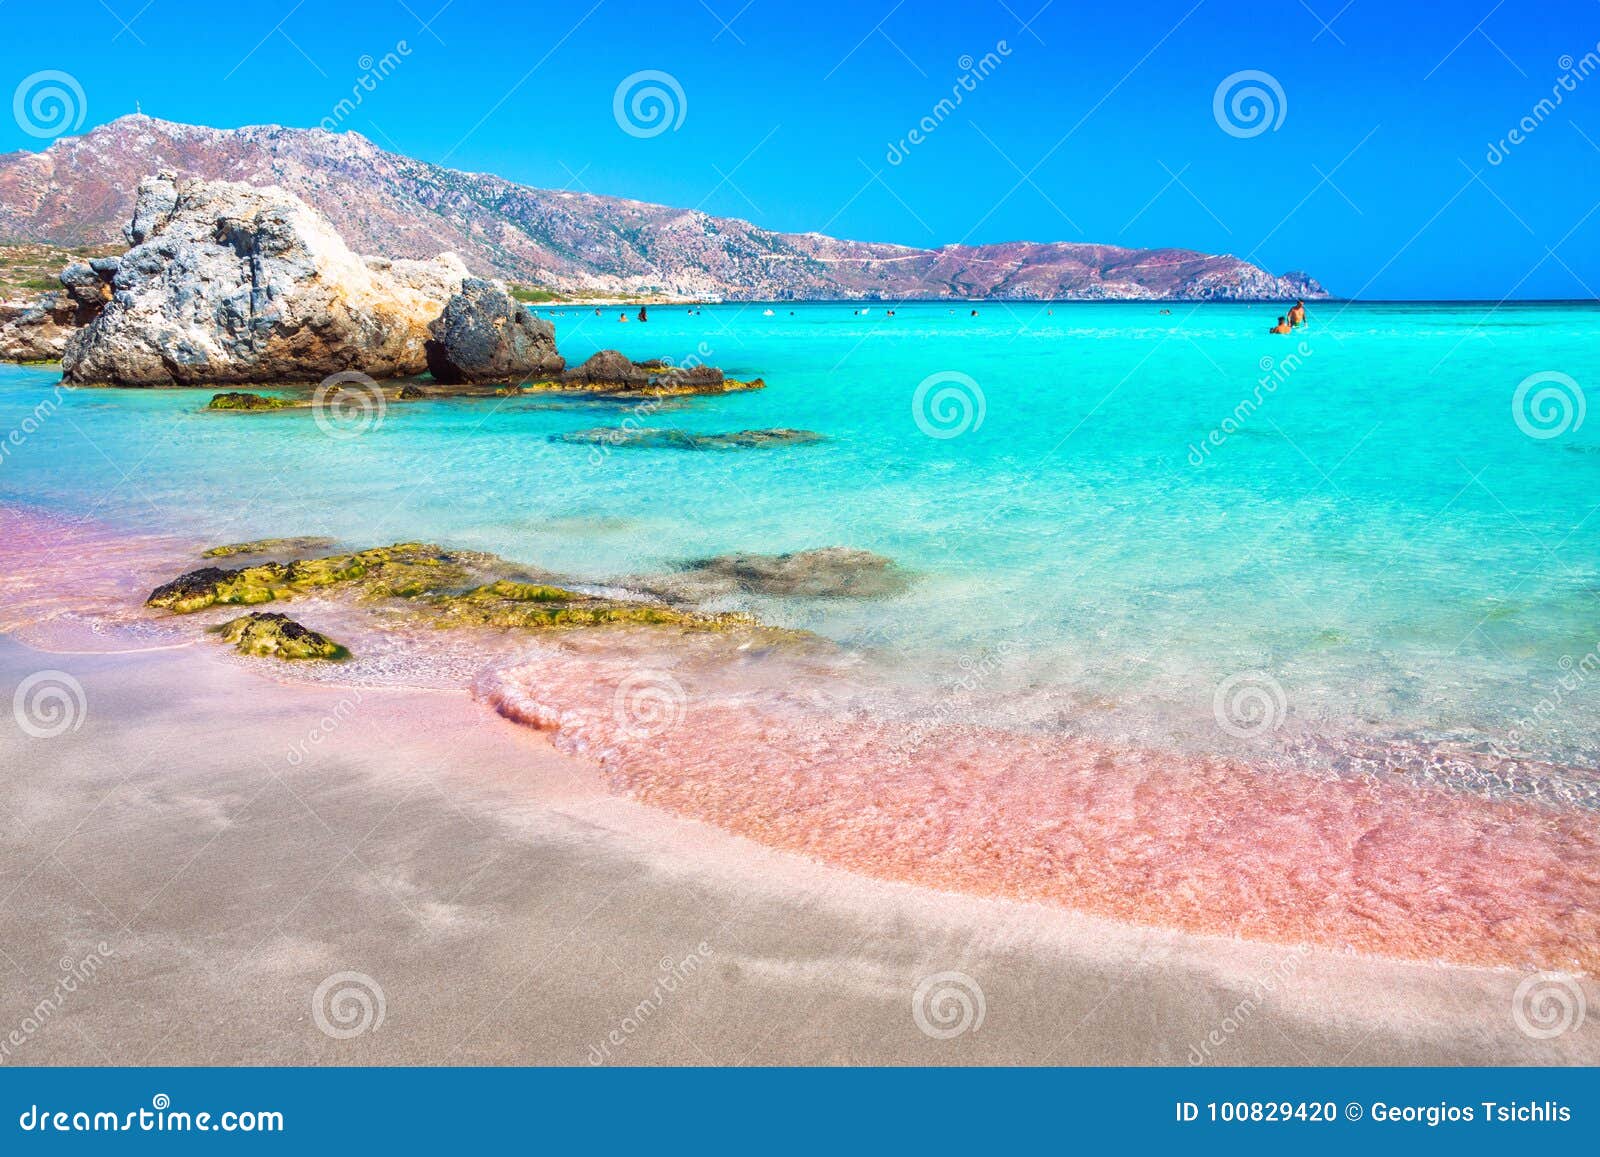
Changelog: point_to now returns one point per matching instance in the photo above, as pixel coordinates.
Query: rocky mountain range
(79, 191)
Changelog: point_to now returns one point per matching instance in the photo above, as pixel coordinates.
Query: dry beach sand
(503, 909)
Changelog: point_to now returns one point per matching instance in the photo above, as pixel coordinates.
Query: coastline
(511, 911)
(398, 832)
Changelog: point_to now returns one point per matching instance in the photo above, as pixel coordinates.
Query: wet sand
(223, 846)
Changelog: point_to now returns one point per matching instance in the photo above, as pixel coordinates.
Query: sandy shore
(207, 848)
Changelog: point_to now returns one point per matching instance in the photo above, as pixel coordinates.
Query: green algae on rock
(536, 606)
(304, 544)
(275, 636)
(404, 570)
(240, 400)
(438, 587)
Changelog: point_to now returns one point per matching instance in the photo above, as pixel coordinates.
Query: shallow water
(1379, 537)
(1351, 569)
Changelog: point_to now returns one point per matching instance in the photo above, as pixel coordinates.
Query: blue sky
(1096, 123)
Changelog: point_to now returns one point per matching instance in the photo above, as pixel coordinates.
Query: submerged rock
(279, 637)
(303, 544)
(243, 401)
(829, 572)
(441, 588)
(649, 438)
(484, 335)
(227, 282)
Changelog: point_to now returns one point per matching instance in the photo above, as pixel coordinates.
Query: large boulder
(229, 283)
(485, 335)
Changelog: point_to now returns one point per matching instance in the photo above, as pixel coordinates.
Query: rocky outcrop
(35, 331)
(610, 372)
(38, 331)
(484, 335)
(230, 283)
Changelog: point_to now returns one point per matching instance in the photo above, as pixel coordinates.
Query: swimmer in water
(1283, 326)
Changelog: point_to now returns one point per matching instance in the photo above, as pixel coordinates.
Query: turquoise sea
(1373, 522)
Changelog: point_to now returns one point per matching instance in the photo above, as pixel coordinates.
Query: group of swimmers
(1295, 318)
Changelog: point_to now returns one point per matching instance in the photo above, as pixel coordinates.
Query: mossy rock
(440, 588)
(277, 636)
(245, 401)
(405, 570)
(511, 605)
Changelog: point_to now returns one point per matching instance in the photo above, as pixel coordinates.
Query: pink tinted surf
(767, 749)
(1208, 845)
